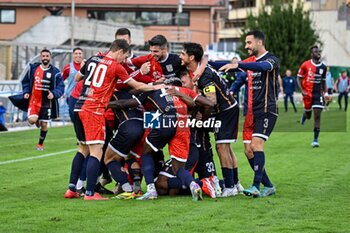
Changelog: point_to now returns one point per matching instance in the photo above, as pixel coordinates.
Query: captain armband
(209, 89)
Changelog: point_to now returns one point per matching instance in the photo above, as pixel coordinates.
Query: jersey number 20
(98, 73)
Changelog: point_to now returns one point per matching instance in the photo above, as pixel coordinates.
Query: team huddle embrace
(127, 109)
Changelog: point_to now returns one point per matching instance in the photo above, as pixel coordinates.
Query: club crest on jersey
(169, 68)
(48, 75)
(321, 71)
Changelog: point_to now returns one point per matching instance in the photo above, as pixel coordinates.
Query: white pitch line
(37, 157)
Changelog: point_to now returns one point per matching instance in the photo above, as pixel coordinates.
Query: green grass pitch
(313, 188)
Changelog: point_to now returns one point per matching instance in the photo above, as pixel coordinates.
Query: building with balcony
(196, 21)
(331, 20)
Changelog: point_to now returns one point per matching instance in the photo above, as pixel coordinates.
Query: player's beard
(252, 52)
(45, 62)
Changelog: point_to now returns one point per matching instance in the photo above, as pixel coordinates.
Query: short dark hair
(77, 48)
(174, 81)
(313, 47)
(257, 35)
(183, 71)
(122, 32)
(119, 44)
(194, 49)
(158, 40)
(45, 51)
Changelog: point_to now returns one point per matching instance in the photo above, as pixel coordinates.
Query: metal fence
(15, 56)
(14, 59)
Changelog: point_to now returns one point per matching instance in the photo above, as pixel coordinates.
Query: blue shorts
(264, 124)
(228, 131)
(129, 133)
(205, 166)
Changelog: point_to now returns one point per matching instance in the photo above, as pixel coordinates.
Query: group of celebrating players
(110, 94)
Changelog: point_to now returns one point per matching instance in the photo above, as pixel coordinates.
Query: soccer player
(124, 34)
(168, 184)
(311, 81)
(171, 112)
(139, 75)
(200, 138)
(170, 63)
(248, 125)
(100, 75)
(264, 105)
(226, 110)
(42, 85)
(129, 132)
(68, 73)
(201, 154)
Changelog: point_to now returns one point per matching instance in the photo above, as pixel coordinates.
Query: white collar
(257, 58)
(41, 66)
(319, 64)
(166, 58)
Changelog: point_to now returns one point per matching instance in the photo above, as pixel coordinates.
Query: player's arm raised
(201, 68)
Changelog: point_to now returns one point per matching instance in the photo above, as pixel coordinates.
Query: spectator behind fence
(2, 119)
(342, 86)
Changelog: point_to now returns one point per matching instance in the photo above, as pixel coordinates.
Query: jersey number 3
(96, 73)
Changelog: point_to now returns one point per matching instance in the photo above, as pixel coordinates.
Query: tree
(289, 33)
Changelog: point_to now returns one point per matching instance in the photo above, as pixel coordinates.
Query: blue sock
(42, 137)
(222, 184)
(259, 163)
(174, 183)
(83, 169)
(316, 133)
(227, 173)
(251, 163)
(92, 171)
(147, 168)
(129, 162)
(235, 175)
(303, 118)
(77, 165)
(184, 176)
(265, 179)
(115, 167)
